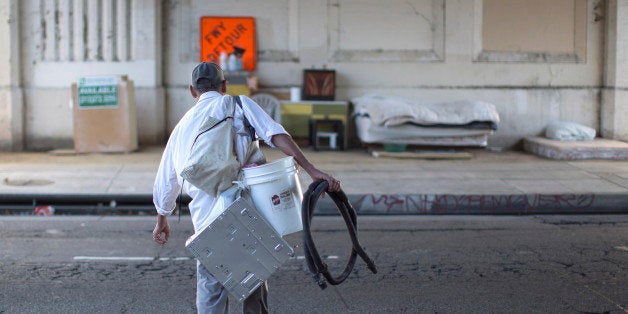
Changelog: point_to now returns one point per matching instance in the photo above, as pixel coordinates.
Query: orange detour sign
(228, 35)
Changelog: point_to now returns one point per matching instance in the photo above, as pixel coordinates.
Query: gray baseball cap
(207, 75)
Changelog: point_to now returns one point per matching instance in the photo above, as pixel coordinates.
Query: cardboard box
(104, 114)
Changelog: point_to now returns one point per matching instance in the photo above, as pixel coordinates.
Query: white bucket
(295, 94)
(276, 193)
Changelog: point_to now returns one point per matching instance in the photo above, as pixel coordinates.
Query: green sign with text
(97, 92)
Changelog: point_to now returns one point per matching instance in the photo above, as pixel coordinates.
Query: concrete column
(11, 99)
(614, 113)
(146, 27)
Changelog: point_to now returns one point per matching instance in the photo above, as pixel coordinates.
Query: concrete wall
(431, 50)
(62, 41)
(11, 102)
(536, 61)
(614, 109)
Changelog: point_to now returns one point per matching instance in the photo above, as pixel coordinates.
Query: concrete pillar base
(614, 115)
(12, 120)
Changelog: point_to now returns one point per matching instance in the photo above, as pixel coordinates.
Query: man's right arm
(285, 143)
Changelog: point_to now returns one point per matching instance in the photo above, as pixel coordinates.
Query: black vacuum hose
(314, 262)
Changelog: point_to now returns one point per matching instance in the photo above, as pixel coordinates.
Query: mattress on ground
(369, 132)
(393, 119)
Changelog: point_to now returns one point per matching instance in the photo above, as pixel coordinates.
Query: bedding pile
(393, 119)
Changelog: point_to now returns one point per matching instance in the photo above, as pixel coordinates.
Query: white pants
(212, 297)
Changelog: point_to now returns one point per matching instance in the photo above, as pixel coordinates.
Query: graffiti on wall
(463, 204)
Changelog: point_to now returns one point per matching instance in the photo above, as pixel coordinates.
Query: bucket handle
(241, 185)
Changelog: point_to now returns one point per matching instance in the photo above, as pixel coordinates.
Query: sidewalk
(488, 183)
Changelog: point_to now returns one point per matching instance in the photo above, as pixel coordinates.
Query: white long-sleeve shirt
(168, 181)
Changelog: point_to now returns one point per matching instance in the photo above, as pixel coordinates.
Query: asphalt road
(433, 264)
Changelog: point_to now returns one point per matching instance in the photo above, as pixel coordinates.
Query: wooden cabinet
(296, 116)
(241, 83)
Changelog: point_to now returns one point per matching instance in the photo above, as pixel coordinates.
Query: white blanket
(394, 110)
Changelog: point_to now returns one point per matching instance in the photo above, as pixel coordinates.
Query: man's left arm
(165, 190)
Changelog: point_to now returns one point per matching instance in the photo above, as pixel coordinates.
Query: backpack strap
(247, 125)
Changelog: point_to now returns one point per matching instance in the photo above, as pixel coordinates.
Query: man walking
(210, 86)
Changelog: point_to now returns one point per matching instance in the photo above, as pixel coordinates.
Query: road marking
(324, 257)
(130, 258)
(149, 258)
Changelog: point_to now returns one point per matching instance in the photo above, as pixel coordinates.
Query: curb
(365, 204)
(498, 204)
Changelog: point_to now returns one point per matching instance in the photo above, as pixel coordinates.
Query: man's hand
(317, 175)
(162, 226)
